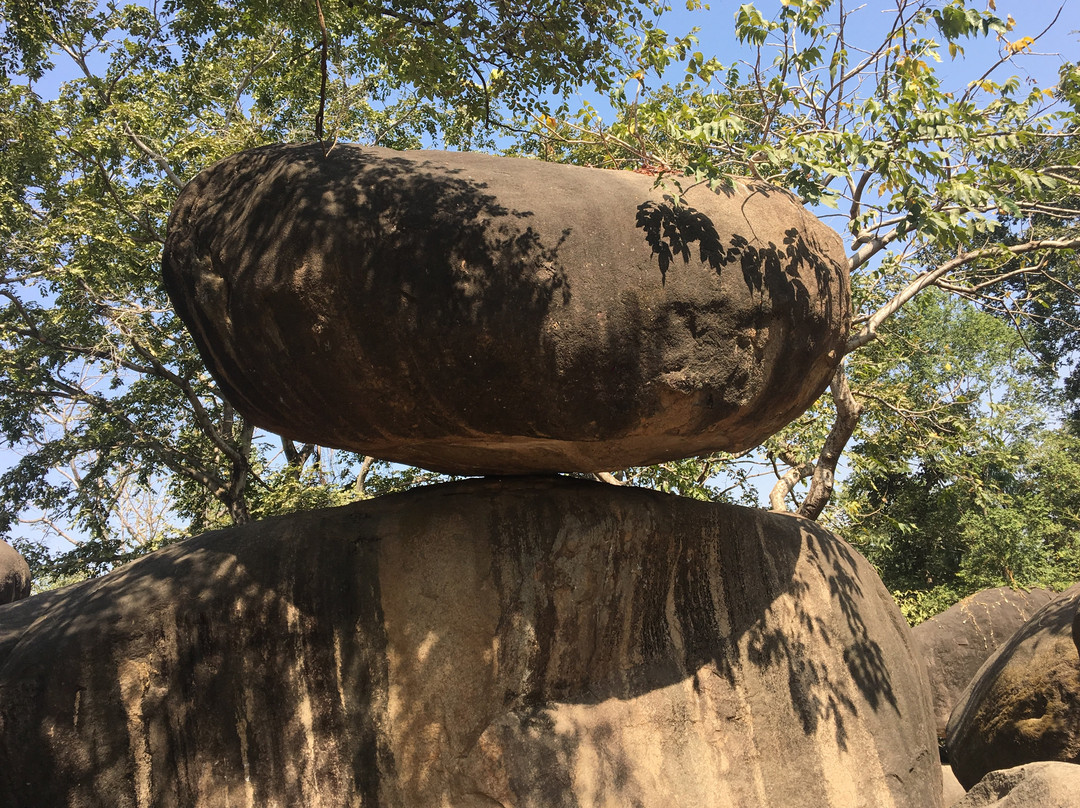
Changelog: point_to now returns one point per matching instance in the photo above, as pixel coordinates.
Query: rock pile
(537, 642)
(1047, 784)
(955, 644)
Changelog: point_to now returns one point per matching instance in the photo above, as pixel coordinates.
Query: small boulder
(1046, 784)
(15, 578)
(541, 643)
(476, 314)
(1024, 703)
(954, 644)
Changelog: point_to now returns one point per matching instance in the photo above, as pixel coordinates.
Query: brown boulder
(541, 643)
(15, 578)
(954, 644)
(478, 314)
(1024, 703)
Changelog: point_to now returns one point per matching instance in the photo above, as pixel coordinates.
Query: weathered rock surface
(1035, 785)
(1024, 703)
(540, 643)
(15, 579)
(477, 314)
(956, 643)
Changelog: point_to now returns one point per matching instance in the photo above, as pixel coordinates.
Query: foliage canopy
(959, 205)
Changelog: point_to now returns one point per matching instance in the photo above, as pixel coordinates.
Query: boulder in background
(1024, 703)
(15, 579)
(956, 643)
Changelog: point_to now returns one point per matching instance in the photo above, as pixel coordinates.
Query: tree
(963, 193)
(960, 478)
(108, 110)
(926, 182)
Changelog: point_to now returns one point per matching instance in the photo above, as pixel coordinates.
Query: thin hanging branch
(322, 86)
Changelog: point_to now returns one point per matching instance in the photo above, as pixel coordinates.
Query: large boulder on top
(541, 643)
(955, 643)
(1024, 703)
(478, 314)
(15, 581)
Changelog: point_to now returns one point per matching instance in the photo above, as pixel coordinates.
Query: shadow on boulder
(537, 642)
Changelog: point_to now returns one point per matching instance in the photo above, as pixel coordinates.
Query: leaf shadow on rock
(673, 230)
(610, 620)
(221, 670)
(252, 663)
(309, 247)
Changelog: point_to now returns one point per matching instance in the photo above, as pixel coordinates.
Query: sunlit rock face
(1045, 784)
(478, 314)
(535, 642)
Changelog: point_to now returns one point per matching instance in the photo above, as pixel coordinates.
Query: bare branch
(362, 475)
(607, 477)
(930, 277)
(161, 162)
(325, 46)
(786, 484)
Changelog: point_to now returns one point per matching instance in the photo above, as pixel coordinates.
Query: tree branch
(362, 475)
(325, 46)
(787, 482)
(161, 162)
(930, 277)
(848, 411)
(607, 477)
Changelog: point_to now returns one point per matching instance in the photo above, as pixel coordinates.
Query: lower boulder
(951, 790)
(534, 642)
(1024, 703)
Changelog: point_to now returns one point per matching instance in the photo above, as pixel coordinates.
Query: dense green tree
(960, 477)
(109, 108)
(850, 114)
(965, 192)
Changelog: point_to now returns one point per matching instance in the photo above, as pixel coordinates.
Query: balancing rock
(534, 642)
(477, 314)
(1024, 703)
(954, 644)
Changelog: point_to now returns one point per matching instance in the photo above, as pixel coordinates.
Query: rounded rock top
(475, 314)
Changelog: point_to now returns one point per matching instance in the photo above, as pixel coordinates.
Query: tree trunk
(848, 411)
